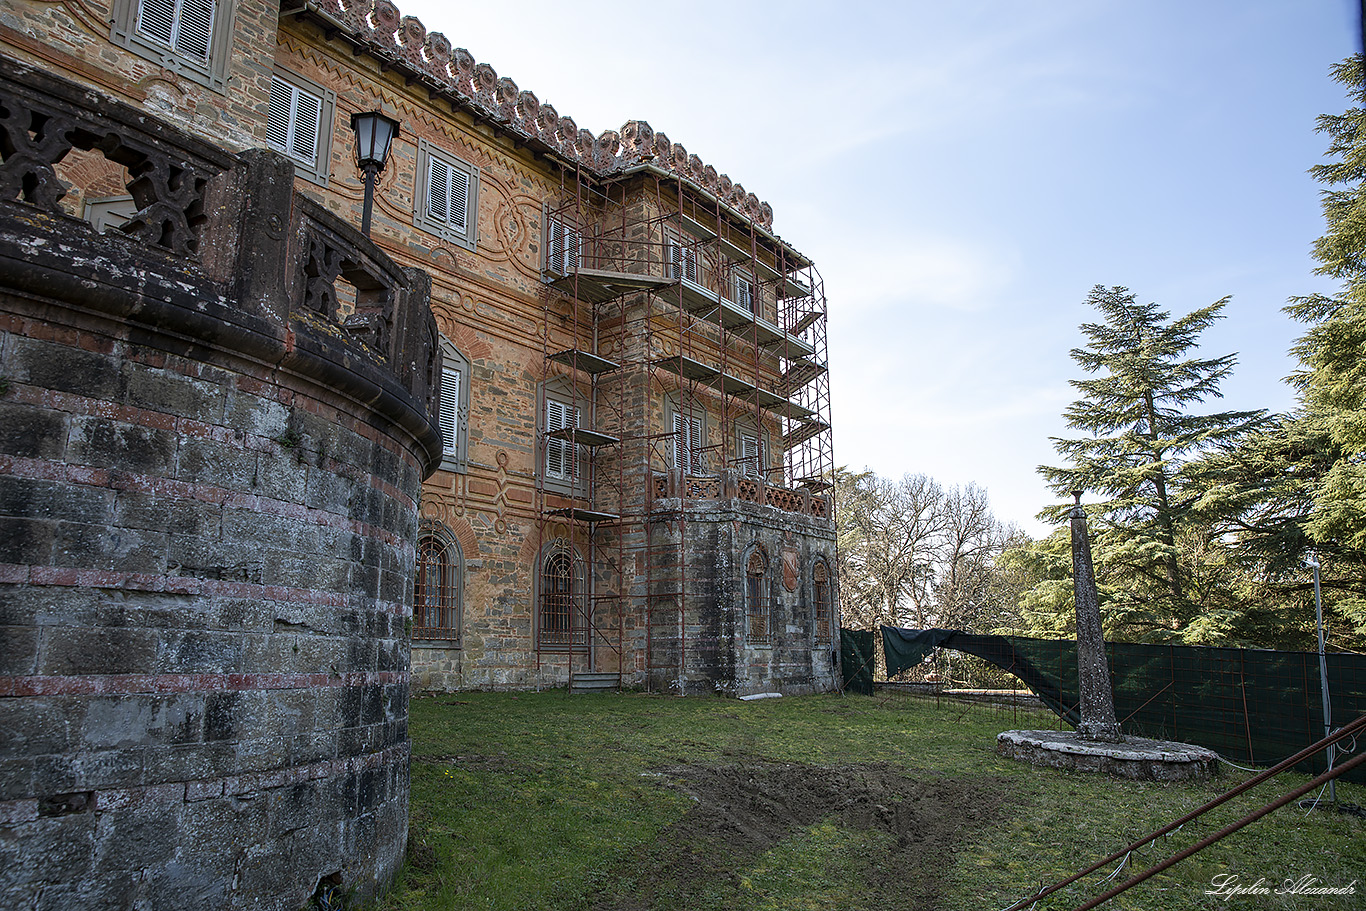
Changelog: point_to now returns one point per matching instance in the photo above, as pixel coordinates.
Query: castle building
(634, 399)
(561, 418)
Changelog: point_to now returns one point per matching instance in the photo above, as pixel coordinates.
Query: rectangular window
(682, 262)
(687, 445)
(561, 456)
(446, 201)
(454, 410)
(299, 124)
(751, 455)
(563, 245)
(743, 294)
(450, 409)
(189, 37)
(186, 26)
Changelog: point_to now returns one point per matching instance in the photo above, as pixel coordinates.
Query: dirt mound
(744, 810)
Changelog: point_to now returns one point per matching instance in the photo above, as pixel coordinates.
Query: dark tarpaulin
(857, 654)
(1250, 705)
(905, 648)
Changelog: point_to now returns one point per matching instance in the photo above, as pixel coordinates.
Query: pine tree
(1332, 375)
(1136, 412)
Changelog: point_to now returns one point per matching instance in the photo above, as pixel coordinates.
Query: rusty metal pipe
(1330, 775)
(1348, 730)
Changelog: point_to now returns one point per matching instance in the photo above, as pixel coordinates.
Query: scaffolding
(684, 358)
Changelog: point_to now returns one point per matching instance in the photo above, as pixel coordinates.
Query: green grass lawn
(546, 801)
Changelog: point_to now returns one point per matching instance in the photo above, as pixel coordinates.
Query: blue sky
(963, 173)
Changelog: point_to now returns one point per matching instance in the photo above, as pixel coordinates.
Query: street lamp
(1313, 564)
(374, 132)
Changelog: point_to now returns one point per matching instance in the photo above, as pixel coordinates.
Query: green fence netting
(1250, 705)
(858, 651)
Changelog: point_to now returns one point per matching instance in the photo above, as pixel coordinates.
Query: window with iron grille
(299, 124)
(189, 37)
(562, 623)
(437, 592)
(447, 199)
(820, 583)
(757, 607)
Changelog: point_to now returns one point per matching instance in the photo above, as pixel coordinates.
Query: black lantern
(374, 132)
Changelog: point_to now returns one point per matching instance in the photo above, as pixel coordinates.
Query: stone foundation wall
(209, 485)
(718, 656)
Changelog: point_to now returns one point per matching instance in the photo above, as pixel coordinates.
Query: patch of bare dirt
(744, 810)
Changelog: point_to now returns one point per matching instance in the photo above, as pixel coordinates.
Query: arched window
(563, 623)
(757, 613)
(437, 594)
(820, 584)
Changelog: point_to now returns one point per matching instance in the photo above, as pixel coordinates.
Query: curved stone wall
(209, 475)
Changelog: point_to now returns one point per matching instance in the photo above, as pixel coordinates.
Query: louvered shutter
(308, 111)
(687, 443)
(682, 457)
(460, 194)
(194, 35)
(559, 454)
(156, 20)
(277, 118)
(683, 262)
(438, 190)
(564, 248)
(293, 121)
(449, 417)
(751, 455)
(744, 293)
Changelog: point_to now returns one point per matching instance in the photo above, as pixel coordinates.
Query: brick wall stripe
(161, 684)
(13, 812)
(61, 472)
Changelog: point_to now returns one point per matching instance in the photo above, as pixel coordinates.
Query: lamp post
(374, 132)
(1323, 673)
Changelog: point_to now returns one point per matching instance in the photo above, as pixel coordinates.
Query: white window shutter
(751, 455)
(277, 118)
(156, 20)
(194, 36)
(681, 457)
(438, 190)
(449, 417)
(308, 110)
(683, 262)
(460, 193)
(744, 293)
(559, 454)
(564, 244)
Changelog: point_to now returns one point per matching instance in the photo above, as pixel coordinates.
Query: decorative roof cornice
(380, 29)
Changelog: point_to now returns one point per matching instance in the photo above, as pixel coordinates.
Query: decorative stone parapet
(404, 42)
(210, 464)
(728, 485)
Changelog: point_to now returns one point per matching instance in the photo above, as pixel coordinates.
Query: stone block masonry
(208, 505)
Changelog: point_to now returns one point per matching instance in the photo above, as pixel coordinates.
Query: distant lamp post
(1313, 563)
(374, 132)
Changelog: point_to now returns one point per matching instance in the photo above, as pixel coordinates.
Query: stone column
(1093, 671)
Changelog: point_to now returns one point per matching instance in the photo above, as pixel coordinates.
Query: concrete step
(594, 683)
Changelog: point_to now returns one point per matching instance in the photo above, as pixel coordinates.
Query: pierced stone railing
(220, 243)
(44, 118)
(727, 485)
